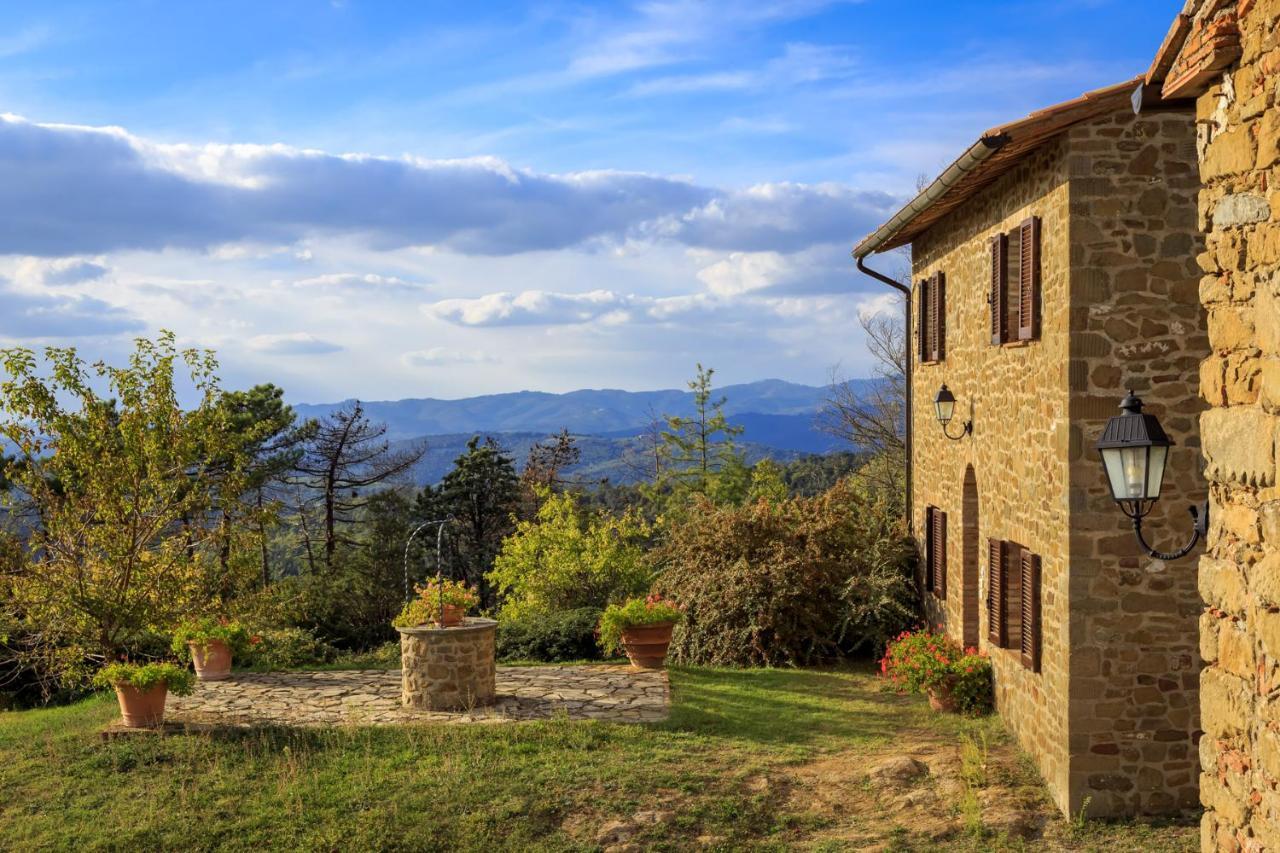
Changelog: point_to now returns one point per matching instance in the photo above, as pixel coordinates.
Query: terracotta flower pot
(453, 616)
(646, 645)
(212, 660)
(139, 709)
(942, 699)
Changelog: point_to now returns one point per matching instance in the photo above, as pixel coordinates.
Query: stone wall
(448, 669)
(1115, 198)
(1240, 572)
(1136, 323)
(1016, 458)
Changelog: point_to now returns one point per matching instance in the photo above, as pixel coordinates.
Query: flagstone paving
(614, 693)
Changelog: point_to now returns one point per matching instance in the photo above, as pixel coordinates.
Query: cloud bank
(74, 190)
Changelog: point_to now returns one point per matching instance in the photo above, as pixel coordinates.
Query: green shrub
(786, 583)
(207, 629)
(567, 635)
(635, 613)
(288, 648)
(180, 681)
(568, 558)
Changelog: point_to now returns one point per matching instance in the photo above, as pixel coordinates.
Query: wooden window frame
(1014, 596)
(1016, 284)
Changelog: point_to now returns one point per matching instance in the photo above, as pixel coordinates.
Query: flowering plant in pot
(642, 628)
(455, 596)
(210, 643)
(953, 677)
(142, 688)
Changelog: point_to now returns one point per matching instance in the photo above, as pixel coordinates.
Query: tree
(697, 448)
(873, 418)
(479, 496)
(567, 558)
(266, 433)
(110, 485)
(345, 457)
(546, 463)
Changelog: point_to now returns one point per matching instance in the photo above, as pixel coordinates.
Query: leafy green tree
(568, 558)
(767, 482)
(111, 487)
(479, 497)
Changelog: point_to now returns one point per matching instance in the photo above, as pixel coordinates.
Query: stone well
(448, 669)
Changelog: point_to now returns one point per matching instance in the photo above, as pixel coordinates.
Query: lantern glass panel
(946, 409)
(1155, 471)
(1115, 472)
(1134, 462)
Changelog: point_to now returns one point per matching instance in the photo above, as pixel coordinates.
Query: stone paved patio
(615, 693)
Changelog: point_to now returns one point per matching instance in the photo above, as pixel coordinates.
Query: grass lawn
(765, 759)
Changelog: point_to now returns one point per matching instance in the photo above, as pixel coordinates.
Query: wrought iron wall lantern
(945, 406)
(1134, 450)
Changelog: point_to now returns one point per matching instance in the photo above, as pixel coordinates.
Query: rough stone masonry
(1227, 55)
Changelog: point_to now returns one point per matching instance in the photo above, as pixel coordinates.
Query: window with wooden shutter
(997, 624)
(999, 296)
(1029, 279)
(1030, 627)
(928, 548)
(922, 325)
(938, 542)
(938, 316)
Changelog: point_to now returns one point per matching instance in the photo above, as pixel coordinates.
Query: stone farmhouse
(1226, 56)
(1054, 267)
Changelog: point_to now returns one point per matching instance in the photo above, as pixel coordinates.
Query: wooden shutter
(938, 295)
(1029, 279)
(997, 625)
(939, 545)
(922, 325)
(1029, 639)
(999, 297)
(928, 548)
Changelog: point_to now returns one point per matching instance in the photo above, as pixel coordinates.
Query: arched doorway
(972, 551)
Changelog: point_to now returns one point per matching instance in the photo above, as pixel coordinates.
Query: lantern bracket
(968, 430)
(1200, 529)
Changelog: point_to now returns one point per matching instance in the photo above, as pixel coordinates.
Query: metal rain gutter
(977, 153)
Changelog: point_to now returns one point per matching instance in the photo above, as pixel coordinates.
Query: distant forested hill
(778, 419)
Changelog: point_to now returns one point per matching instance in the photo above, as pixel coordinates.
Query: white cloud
(295, 343)
(358, 283)
(60, 271)
(444, 357)
(529, 307)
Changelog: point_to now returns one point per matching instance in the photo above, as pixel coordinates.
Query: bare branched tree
(872, 416)
(348, 456)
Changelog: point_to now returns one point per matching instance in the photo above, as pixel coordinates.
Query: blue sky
(391, 199)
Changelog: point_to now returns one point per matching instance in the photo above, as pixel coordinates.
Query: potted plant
(209, 643)
(142, 689)
(954, 678)
(642, 627)
(455, 598)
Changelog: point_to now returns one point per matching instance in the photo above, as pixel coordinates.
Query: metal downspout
(906, 343)
(970, 159)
